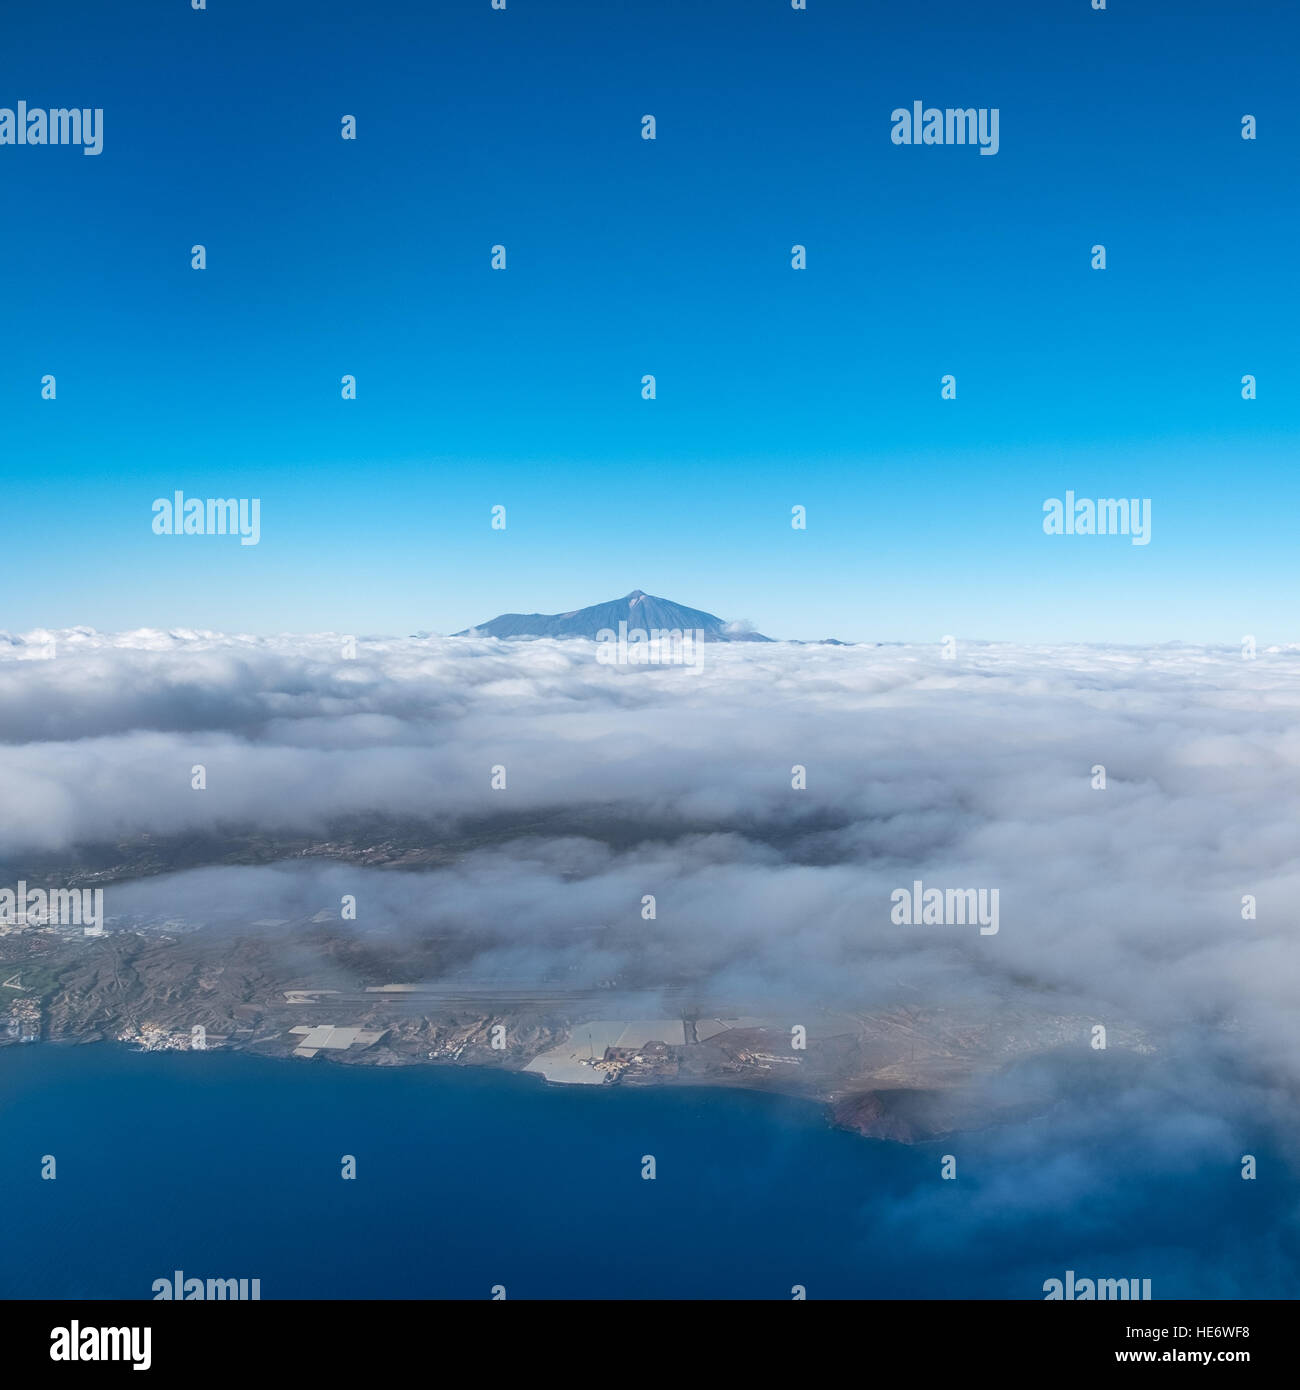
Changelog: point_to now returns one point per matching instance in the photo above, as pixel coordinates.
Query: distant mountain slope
(637, 610)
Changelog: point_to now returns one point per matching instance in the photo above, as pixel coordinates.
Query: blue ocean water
(228, 1166)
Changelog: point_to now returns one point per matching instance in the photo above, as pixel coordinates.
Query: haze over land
(1121, 906)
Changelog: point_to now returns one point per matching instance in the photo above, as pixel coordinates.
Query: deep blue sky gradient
(671, 257)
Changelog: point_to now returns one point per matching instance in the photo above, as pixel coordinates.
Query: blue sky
(670, 257)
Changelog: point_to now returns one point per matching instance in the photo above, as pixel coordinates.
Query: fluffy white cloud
(973, 772)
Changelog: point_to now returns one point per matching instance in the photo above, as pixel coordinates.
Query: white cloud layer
(973, 772)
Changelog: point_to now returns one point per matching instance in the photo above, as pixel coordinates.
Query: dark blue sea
(228, 1166)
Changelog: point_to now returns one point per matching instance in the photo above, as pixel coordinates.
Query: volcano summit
(637, 610)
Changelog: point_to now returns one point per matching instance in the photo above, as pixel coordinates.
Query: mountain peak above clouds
(637, 609)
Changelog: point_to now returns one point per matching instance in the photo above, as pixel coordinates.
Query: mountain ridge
(637, 609)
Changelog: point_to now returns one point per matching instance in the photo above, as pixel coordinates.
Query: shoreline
(880, 1124)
